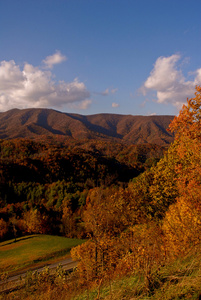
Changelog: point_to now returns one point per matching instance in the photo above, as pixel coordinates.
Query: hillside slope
(43, 123)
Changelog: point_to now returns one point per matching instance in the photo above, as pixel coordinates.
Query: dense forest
(139, 206)
(44, 186)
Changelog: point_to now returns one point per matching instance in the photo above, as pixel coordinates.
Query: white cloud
(34, 87)
(54, 59)
(82, 105)
(198, 76)
(115, 105)
(113, 91)
(107, 91)
(168, 81)
(10, 76)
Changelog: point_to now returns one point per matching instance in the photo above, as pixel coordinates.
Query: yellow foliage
(164, 188)
(98, 259)
(107, 212)
(182, 227)
(145, 247)
(182, 223)
(33, 221)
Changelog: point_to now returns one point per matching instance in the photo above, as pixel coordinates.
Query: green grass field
(33, 250)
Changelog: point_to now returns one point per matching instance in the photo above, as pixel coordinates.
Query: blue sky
(138, 57)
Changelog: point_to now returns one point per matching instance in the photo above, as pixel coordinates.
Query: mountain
(40, 123)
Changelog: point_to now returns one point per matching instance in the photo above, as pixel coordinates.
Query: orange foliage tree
(145, 251)
(68, 219)
(34, 222)
(182, 223)
(3, 228)
(107, 214)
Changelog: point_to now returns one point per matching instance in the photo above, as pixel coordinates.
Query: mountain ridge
(37, 123)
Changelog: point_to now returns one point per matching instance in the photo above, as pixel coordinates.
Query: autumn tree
(182, 223)
(3, 228)
(108, 212)
(98, 260)
(163, 188)
(153, 191)
(68, 219)
(34, 222)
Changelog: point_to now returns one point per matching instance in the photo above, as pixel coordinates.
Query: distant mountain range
(47, 123)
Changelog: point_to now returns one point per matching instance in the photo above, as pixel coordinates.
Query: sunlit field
(33, 249)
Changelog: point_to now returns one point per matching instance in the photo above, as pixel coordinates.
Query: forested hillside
(48, 124)
(46, 182)
(138, 206)
(155, 221)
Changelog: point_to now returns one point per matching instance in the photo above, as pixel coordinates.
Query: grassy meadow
(33, 250)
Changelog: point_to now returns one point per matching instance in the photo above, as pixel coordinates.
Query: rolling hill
(47, 123)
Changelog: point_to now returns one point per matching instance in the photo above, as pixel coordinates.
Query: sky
(138, 57)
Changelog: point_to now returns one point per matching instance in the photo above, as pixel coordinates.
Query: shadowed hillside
(46, 123)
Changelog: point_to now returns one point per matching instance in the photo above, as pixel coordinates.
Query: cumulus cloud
(35, 87)
(115, 105)
(11, 77)
(168, 81)
(54, 59)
